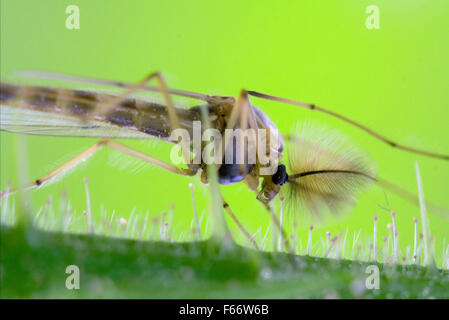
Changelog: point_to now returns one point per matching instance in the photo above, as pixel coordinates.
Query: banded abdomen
(133, 114)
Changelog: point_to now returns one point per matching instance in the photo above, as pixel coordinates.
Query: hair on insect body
(324, 170)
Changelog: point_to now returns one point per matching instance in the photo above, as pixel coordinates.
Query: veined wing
(117, 84)
(33, 122)
(69, 112)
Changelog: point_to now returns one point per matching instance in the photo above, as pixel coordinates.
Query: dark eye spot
(281, 176)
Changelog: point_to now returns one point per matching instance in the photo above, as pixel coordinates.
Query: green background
(393, 80)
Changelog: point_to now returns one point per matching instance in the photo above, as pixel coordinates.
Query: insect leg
(150, 159)
(91, 150)
(243, 114)
(237, 111)
(65, 77)
(116, 100)
(241, 227)
(278, 225)
(173, 117)
(370, 131)
(69, 164)
(250, 119)
(411, 198)
(243, 109)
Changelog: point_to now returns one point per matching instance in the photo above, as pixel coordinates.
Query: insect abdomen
(148, 117)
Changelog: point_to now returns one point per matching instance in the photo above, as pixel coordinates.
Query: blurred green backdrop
(394, 80)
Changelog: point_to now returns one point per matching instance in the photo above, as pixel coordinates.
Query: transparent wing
(94, 81)
(33, 122)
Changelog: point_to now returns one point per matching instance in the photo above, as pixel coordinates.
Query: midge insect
(325, 171)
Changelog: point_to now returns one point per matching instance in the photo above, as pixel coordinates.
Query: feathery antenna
(327, 170)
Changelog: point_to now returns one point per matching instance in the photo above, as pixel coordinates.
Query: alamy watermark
(72, 282)
(373, 280)
(237, 146)
(372, 22)
(73, 19)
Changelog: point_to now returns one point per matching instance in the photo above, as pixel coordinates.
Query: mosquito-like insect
(323, 173)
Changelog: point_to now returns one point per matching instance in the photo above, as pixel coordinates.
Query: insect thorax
(246, 152)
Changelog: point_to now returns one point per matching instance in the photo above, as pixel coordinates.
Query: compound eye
(280, 177)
